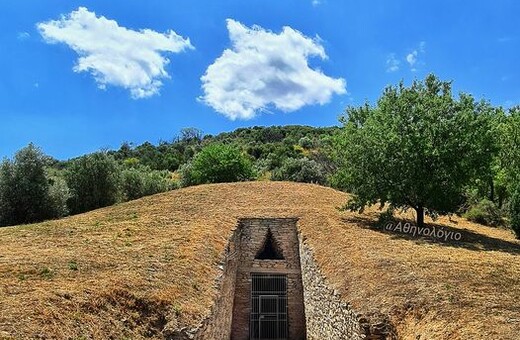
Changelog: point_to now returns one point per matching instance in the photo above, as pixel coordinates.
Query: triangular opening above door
(270, 249)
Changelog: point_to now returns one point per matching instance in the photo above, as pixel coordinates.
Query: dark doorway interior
(270, 249)
(269, 307)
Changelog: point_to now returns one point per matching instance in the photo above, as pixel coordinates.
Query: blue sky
(83, 75)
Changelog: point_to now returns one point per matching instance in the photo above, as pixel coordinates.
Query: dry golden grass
(147, 267)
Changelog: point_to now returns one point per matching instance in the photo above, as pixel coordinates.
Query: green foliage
(300, 170)
(141, 181)
(94, 182)
(59, 194)
(217, 163)
(306, 142)
(510, 146)
(73, 265)
(418, 148)
(46, 273)
(24, 188)
(6, 194)
(514, 208)
(485, 212)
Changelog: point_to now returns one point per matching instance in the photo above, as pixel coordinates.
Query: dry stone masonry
(271, 250)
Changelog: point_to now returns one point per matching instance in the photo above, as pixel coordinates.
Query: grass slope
(148, 267)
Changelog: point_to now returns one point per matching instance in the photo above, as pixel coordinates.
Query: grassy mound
(148, 267)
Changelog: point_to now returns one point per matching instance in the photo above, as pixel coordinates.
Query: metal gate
(268, 307)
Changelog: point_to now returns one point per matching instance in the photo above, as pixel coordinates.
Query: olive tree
(93, 181)
(24, 188)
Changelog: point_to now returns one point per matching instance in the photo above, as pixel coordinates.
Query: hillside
(146, 268)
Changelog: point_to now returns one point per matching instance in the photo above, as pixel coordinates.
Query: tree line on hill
(418, 147)
(36, 187)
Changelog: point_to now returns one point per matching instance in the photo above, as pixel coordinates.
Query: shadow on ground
(469, 239)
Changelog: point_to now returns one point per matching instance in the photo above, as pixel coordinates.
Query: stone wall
(316, 311)
(328, 316)
(218, 324)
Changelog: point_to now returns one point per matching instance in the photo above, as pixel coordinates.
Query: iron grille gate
(268, 307)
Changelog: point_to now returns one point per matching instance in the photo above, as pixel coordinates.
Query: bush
(514, 209)
(485, 212)
(306, 142)
(157, 181)
(139, 182)
(93, 181)
(300, 170)
(59, 194)
(217, 163)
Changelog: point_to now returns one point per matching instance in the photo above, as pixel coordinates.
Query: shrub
(185, 173)
(59, 194)
(300, 170)
(306, 142)
(139, 182)
(485, 212)
(217, 163)
(157, 181)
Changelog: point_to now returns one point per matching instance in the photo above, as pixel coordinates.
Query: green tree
(510, 164)
(6, 193)
(94, 182)
(24, 188)
(514, 209)
(217, 163)
(510, 147)
(418, 148)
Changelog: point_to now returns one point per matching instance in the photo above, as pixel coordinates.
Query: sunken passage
(268, 301)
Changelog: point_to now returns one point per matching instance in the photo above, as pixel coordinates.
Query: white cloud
(113, 54)
(392, 63)
(23, 36)
(412, 57)
(264, 69)
(316, 3)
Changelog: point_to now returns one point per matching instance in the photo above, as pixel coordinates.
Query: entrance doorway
(268, 307)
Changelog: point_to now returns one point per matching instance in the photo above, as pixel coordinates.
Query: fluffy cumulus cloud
(264, 69)
(113, 54)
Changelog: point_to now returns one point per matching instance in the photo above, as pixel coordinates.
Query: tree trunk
(492, 190)
(420, 216)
